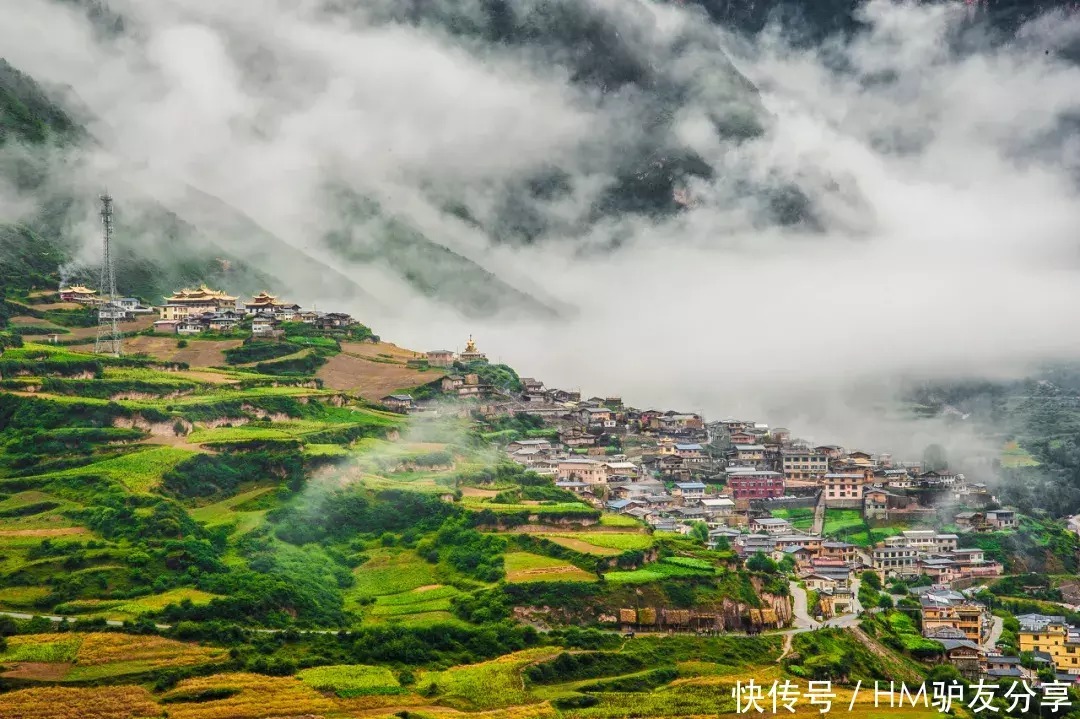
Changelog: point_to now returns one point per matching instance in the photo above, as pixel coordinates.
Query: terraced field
(75, 656)
(528, 567)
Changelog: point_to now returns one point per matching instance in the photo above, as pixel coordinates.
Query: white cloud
(943, 189)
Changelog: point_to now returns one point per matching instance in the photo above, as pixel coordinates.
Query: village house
(398, 402)
(770, 525)
(818, 582)
(973, 563)
(112, 311)
(755, 484)
(939, 569)
(559, 396)
(802, 464)
(166, 326)
(541, 445)
(843, 551)
(1002, 667)
(718, 507)
(334, 320)
(225, 321)
(622, 470)
(876, 504)
(800, 555)
(831, 451)
(784, 540)
(965, 655)
(573, 485)
(1053, 636)
(439, 358)
(597, 417)
(934, 479)
(945, 610)
(780, 435)
(859, 458)
(843, 489)
(264, 325)
(187, 303)
(680, 425)
(893, 478)
(895, 561)
(690, 453)
(191, 326)
(743, 437)
(836, 601)
(748, 453)
(583, 470)
(1001, 519)
(133, 306)
(747, 545)
(689, 490)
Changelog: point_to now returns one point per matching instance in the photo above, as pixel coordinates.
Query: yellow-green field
(528, 567)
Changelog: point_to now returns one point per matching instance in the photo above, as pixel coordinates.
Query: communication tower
(108, 335)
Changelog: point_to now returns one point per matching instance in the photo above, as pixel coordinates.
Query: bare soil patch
(58, 532)
(38, 671)
(360, 369)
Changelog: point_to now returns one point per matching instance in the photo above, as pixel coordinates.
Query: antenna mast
(108, 335)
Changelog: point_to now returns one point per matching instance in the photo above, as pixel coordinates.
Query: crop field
(663, 569)
(125, 608)
(42, 648)
(230, 510)
(422, 600)
(488, 685)
(124, 702)
(250, 696)
(619, 520)
(139, 471)
(801, 518)
(243, 433)
(839, 519)
(352, 680)
(620, 541)
(528, 567)
(580, 545)
(1013, 455)
(391, 572)
(98, 656)
(22, 597)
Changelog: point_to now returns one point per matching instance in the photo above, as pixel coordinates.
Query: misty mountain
(195, 236)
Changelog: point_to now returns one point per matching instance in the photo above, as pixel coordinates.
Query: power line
(108, 335)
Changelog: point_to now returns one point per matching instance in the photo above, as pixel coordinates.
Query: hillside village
(852, 533)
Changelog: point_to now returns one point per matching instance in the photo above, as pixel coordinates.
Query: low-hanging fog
(935, 164)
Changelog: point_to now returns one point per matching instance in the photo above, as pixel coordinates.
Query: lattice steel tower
(108, 335)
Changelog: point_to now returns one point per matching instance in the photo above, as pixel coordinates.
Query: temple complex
(189, 303)
(266, 303)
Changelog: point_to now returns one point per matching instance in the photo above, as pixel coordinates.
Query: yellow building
(192, 303)
(970, 618)
(1051, 635)
(266, 303)
(471, 353)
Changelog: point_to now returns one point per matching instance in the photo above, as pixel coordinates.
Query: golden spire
(470, 346)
